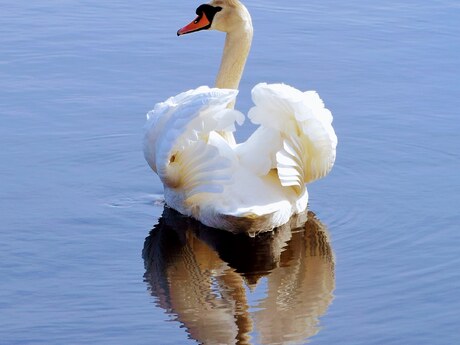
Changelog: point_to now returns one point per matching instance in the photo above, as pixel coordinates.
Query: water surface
(78, 202)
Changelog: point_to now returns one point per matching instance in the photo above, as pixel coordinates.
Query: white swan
(254, 186)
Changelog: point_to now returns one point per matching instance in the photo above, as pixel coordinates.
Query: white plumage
(254, 186)
(251, 187)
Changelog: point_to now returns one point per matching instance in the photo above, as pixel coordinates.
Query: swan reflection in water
(204, 278)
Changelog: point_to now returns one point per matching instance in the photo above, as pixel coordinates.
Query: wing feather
(308, 142)
(176, 137)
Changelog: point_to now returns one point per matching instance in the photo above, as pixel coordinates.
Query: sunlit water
(79, 262)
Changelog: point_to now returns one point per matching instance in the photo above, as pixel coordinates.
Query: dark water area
(80, 263)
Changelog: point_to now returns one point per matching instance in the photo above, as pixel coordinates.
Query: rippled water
(227, 288)
(80, 263)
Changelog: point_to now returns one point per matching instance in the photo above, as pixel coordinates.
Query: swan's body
(253, 186)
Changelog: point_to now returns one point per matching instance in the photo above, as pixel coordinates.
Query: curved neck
(236, 50)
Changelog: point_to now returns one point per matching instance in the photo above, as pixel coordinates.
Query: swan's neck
(236, 50)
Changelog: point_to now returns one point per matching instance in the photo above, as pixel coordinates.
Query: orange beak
(200, 23)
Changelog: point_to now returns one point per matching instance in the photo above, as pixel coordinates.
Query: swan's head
(221, 15)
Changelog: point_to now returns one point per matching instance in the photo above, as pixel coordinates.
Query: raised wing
(305, 145)
(180, 143)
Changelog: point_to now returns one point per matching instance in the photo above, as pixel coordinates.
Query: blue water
(77, 200)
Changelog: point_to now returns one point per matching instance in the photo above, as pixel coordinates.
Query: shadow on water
(204, 278)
